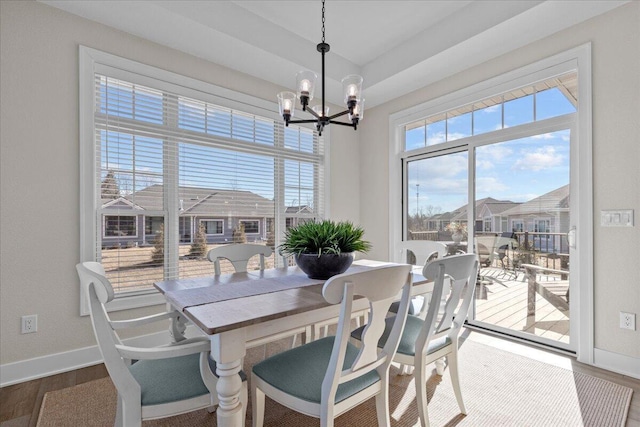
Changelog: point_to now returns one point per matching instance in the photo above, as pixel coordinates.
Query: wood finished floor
(501, 300)
(20, 403)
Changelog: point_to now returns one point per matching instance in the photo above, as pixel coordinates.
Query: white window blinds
(177, 175)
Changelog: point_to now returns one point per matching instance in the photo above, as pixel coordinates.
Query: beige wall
(40, 172)
(616, 158)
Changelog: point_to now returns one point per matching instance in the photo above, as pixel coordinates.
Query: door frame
(578, 58)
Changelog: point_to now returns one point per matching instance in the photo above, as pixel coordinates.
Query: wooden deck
(501, 300)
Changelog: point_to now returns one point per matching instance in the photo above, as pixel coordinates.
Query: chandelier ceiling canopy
(306, 84)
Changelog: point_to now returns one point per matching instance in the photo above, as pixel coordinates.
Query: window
(517, 225)
(251, 227)
(212, 226)
(435, 177)
(153, 225)
(119, 226)
(171, 153)
(550, 98)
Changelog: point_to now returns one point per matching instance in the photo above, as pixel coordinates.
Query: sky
(517, 170)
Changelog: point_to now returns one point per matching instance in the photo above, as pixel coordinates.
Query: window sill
(127, 302)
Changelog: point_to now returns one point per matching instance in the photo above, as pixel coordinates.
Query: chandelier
(306, 82)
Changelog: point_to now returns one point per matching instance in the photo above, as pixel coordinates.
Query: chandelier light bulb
(318, 110)
(352, 91)
(304, 87)
(287, 104)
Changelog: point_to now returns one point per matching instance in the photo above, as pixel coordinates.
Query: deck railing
(550, 250)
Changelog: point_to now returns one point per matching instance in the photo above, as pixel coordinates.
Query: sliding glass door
(523, 218)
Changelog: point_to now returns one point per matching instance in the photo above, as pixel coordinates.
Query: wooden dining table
(234, 309)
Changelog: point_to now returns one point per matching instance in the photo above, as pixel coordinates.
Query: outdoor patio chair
(330, 376)
(505, 244)
(428, 340)
(419, 252)
(163, 381)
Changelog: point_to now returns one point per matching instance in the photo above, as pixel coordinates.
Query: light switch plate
(616, 218)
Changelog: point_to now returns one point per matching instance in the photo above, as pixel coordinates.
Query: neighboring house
(295, 215)
(493, 218)
(546, 214)
(138, 217)
(487, 206)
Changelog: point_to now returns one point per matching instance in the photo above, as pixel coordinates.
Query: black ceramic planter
(324, 266)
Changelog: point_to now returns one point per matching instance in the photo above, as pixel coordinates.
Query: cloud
(490, 185)
(437, 138)
(542, 158)
(544, 136)
(491, 109)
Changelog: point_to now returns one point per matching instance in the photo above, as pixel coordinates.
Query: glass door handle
(571, 237)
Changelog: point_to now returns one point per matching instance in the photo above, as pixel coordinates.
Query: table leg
(227, 350)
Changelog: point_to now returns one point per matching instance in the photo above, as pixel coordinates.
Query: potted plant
(458, 231)
(324, 248)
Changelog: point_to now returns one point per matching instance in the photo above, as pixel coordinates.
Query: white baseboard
(44, 366)
(620, 363)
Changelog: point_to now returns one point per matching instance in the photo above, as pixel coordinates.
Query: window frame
(92, 61)
(104, 226)
(221, 221)
(257, 221)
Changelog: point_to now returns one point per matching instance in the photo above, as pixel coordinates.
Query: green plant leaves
(324, 237)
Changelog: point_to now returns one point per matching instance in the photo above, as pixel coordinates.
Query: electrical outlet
(29, 324)
(628, 321)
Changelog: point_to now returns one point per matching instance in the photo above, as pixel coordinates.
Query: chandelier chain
(322, 21)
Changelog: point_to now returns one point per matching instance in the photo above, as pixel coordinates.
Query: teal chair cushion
(408, 340)
(172, 379)
(395, 306)
(169, 380)
(299, 372)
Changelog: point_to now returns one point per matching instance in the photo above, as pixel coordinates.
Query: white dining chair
(239, 255)
(330, 376)
(426, 341)
(152, 382)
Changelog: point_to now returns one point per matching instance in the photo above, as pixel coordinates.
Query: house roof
(201, 202)
(552, 202)
(461, 212)
(498, 207)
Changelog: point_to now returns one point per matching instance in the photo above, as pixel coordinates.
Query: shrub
(157, 256)
(239, 235)
(199, 245)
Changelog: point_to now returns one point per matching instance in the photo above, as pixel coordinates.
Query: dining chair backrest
(418, 252)
(164, 380)
(380, 286)
(99, 292)
(239, 255)
(461, 270)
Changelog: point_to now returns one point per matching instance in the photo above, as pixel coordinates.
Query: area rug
(499, 389)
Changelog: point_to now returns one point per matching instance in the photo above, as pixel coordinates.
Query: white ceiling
(397, 46)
